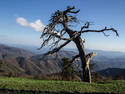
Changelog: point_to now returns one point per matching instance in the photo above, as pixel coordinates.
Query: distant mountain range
(23, 62)
(112, 72)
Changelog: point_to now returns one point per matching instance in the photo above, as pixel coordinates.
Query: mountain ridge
(23, 62)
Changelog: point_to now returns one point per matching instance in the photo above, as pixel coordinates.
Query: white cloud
(37, 25)
(22, 21)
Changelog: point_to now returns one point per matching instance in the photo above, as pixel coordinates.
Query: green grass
(58, 86)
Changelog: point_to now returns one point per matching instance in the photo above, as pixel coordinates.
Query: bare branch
(45, 41)
(57, 49)
(69, 10)
(50, 34)
(105, 29)
(85, 26)
(54, 43)
(74, 58)
(75, 11)
(105, 34)
(89, 55)
(58, 36)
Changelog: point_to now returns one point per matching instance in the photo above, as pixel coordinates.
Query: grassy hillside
(59, 86)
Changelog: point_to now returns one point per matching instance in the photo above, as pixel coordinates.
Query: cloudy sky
(21, 21)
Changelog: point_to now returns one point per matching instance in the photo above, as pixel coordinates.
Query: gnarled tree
(58, 33)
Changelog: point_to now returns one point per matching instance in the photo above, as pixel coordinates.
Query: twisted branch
(85, 26)
(74, 58)
(57, 49)
(103, 31)
(56, 35)
(69, 10)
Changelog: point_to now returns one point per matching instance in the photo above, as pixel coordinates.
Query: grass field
(59, 86)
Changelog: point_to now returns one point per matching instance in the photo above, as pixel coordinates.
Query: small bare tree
(58, 33)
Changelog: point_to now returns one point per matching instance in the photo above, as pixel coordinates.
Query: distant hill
(14, 60)
(7, 51)
(22, 62)
(112, 72)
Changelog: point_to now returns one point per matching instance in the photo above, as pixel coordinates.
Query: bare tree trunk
(86, 72)
(90, 78)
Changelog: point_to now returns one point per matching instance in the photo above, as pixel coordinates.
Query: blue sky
(101, 13)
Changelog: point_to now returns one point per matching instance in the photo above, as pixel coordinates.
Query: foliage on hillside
(1, 63)
(67, 70)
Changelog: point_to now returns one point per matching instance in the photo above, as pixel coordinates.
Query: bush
(1, 63)
(117, 77)
(67, 70)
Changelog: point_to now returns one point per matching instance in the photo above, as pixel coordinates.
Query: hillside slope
(21, 62)
(112, 72)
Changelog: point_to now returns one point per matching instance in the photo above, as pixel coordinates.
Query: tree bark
(88, 73)
(86, 76)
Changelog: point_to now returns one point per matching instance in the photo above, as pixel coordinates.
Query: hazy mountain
(106, 59)
(109, 59)
(112, 72)
(23, 62)
(13, 51)
(31, 48)
(15, 60)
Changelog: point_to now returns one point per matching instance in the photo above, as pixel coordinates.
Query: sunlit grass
(58, 86)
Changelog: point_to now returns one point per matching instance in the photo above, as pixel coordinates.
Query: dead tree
(58, 33)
